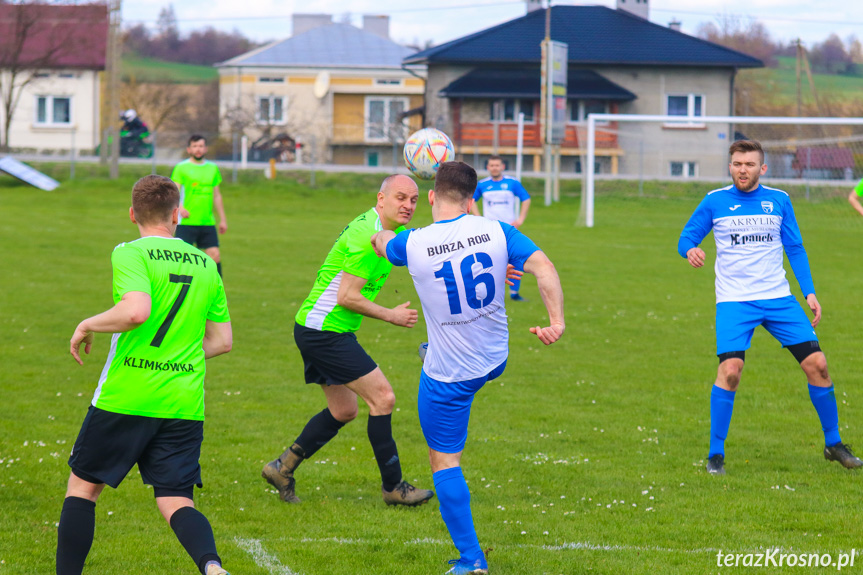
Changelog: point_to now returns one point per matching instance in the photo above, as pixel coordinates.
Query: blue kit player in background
(499, 195)
(459, 266)
(752, 224)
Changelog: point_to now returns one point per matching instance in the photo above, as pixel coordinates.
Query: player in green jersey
(199, 181)
(854, 197)
(344, 291)
(169, 315)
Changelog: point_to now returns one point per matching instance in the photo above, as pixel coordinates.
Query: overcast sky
(260, 20)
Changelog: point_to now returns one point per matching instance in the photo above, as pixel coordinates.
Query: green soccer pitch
(585, 457)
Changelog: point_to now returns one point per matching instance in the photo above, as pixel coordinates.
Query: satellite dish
(322, 84)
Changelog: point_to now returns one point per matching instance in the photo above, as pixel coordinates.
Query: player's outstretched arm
(854, 200)
(551, 291)
(130, 312)
(218, 338)
(380, 241)
(350, 296)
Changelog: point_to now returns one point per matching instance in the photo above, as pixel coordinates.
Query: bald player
(345, 289)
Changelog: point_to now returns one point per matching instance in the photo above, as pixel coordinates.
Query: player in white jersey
(458, 265)
(500, 196)
(752, 225)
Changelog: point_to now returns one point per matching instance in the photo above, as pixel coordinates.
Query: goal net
(625, 155)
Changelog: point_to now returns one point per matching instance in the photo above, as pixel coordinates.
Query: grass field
(585, 457)
(153, 70)
(780, 83)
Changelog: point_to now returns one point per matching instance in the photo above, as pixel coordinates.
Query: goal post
(656, 147)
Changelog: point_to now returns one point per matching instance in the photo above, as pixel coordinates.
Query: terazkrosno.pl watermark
(779, 558)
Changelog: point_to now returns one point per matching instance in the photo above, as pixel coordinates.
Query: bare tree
(160, 104)
(747, 36)
(37, 37)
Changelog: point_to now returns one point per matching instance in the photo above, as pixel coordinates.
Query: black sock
(75, 534)
(195, 535)
(380, 432)
(318, 431)
(219, 268)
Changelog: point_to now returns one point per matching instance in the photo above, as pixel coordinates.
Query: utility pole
(112, 70)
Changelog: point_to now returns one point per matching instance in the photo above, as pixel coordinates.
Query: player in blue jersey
(459, 267)
(499, 194)
(752, 225)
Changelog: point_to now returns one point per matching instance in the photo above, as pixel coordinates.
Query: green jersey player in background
(198, 180)
(169, 315)
(345, 289)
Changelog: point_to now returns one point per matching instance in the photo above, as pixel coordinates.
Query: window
(271, 80)
(508, 109)
(372, 158)
(53, 111)
(382, 118)
(691, 105)
(271, 110)
(580, 109)
(683, 169)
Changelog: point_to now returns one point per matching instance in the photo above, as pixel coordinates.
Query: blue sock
(514, 287)
(721, 406)
(824, 400)
(454, 497)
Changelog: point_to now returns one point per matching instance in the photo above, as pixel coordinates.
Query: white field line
(261, 557)
(570, 546)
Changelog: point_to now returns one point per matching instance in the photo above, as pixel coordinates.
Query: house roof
(332, 45)
(824, 158)
(47, 36)
(525, 83)
(596, 35)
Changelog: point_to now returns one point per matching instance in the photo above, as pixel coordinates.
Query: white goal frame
(592, 119)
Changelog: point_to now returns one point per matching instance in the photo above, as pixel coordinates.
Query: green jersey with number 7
(185, 290)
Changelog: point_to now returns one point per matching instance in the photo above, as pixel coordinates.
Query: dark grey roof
(332, 45)
(525, 83)
(596, 35)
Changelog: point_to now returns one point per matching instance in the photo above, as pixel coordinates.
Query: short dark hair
(196, 138)
(455, 181)
(744, 146)
(154, 199)
(494, 157)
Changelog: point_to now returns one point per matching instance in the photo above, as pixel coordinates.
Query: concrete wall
(651, 147)
(438, 114)
(82, 86)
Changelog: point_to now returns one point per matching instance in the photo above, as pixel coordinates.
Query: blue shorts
(782, 317)
(444, 409)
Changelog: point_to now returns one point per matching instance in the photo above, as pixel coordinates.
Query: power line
(268, 18)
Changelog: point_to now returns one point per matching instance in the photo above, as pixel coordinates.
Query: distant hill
(779, 85)
(153, 70)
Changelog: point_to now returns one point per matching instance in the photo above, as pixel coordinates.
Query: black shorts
(202, 236)
(331, 357)
(166, 451)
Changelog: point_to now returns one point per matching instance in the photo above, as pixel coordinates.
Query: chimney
(305, 22)
(533, 5)
(638, 8)
(675, 25)
(377, 24)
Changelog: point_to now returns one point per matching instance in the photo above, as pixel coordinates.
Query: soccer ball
(425, 150)
(422, 350)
